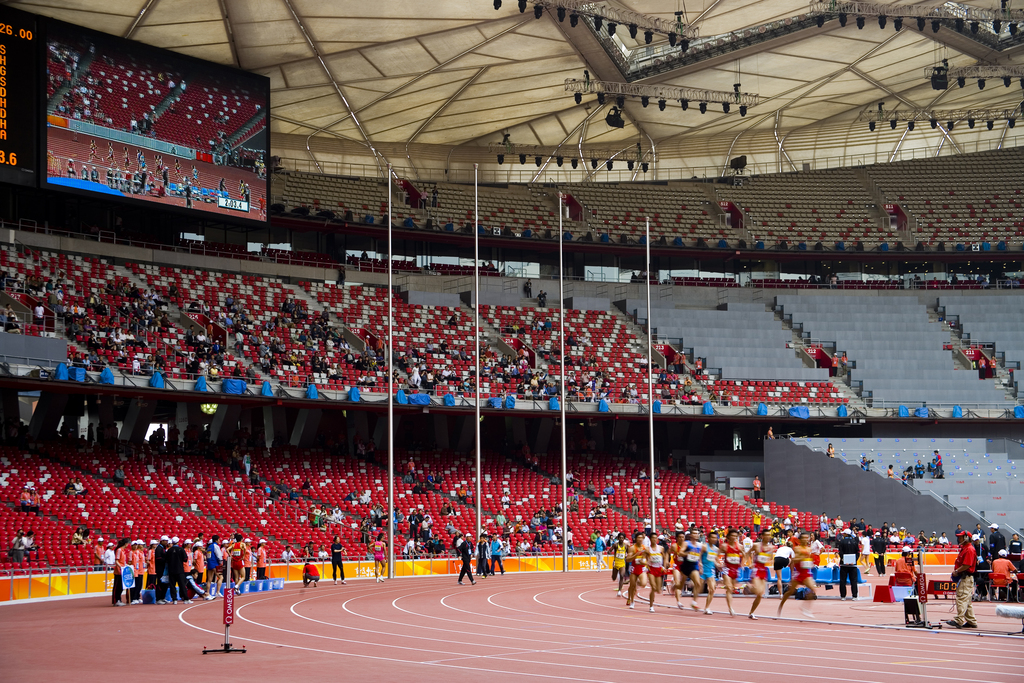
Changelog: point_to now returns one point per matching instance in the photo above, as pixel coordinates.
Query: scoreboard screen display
(136, 123)
(19, 37)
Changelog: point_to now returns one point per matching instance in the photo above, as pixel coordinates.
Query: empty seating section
(958, 199)
(376, 265)
(318, 192)
(675, 211)
(301, 258)
(600, 342)
(115, 89)
(750, 393)
(239, 252)
(995, 318)
(516, 207)
(982, 474)
(204, 109)
(809, 206)
(742, 342)
(896, 354)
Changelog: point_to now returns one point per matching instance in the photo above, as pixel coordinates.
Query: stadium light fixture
(997, 26)
(920, 23)
(632, 31)
(648, 37)
(600, 98)
(609, 164)
(743, 110)
(892, 124)
(574, 20)
(821, 20)
(672, 38)
(522, 159)
(961, 81)
(989, 124)
(644, 101)
(538, 11)
(949, 125)
(575, 162)
(975, 26)
(871, 126)
(959, 23)
(934, 123)
(620, 101)
(644, 167)
(598, 23)
(685, 104)
(897, 24)
(629, 164)
(611, 28)
(935, 25)
(981, 84)
(842, 18)
(561, 14)
(881, 21)
(910, 125)
(578, 97)
(497, 4)
(661, 105)
(501, 159)
(1006, 81)
(593, 164)
(559, 161)
(970, 123)
(538, 161)
(703, 107)
(725, 107)
(860, 22)
(1011, 122)
(522, 6)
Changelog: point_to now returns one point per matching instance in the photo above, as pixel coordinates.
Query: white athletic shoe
(208, 597)
(118, 604)
(618, 594)
(731, 612)
(344, 582)
(842, 599)
(680, 605)
(694, 606)
(752, 617)
(806, 611)
(707, 611)
(651, 610)
(335, 582)
(161, 602)
(630, 605)
(188, 602)
(175, 602)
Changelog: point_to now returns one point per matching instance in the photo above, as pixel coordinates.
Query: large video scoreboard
(19, 80)
(93, 114)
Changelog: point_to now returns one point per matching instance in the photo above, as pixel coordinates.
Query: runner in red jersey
(763, 554)
(637, 555)
(803, 574)
(732, 562)
(656, 561)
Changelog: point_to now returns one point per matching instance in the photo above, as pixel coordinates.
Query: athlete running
(687, 552)
(638, 567)
(763, 555)
(733, 555)
(709, 564)
(803, 574)
(619, 551)
(655, 554)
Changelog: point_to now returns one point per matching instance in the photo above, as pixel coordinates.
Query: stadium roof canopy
(457, 73)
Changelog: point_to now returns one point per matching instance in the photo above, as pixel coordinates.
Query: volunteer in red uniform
(139, 563)
(638, 568)
(763, 554)
(187, 547)
(963, 573)
(261, 560)
(803, 574)
(732, 561)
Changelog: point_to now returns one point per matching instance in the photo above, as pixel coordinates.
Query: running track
(534, 627)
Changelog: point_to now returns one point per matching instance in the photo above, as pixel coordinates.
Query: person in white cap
(261, 559)
(108, 556)
(906, 572)
(175, 558)
(151, 564)
(1003, 572)
(996, 540)
(848, 548)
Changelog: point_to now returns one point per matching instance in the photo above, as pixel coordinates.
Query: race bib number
(763, 558)
(692, 557)
(732, 559)
(806, 564)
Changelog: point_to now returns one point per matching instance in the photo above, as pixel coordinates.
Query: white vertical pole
(391, 396)
(561, 396)
(476, 336)
(650, 379)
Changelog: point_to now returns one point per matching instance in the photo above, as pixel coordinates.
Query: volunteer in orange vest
(247, 559)
(97, 553)
(199, 559)
(151, 565)
(121, 560)
(139, 562)
(187, 547)
(261, 560)
(905, 565)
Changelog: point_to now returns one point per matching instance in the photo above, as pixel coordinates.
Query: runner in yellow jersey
(619, 551)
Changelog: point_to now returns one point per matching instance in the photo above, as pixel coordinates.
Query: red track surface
(535, 627)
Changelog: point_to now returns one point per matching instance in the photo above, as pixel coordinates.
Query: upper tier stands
(897, 354)
(675, 211)
(994, 319)
(958, 199)
(808, 206)
(204, 109)
(515, 207)
(744, 341)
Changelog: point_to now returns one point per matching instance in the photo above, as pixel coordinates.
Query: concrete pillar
(136, 421)
(224, 423)
(596, 432)
(467, 434)
(47, 415)
(620, 431)
(441, 431)
(9, 404)
(306, 425)
(275, 423)
(359, 426)
(380, 430)
(544, 430)
(519, 431)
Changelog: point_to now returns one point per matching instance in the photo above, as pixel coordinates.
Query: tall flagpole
(561, 397)
(391, 397)
(650, 379)
(476, 330)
